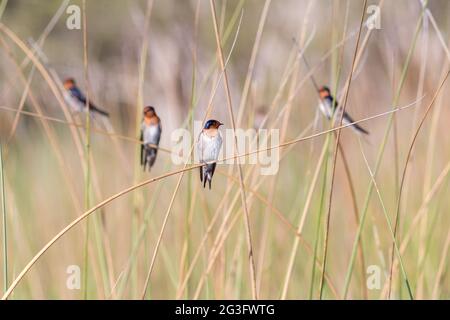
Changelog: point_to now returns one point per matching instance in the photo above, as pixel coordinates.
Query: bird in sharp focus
(208, 146)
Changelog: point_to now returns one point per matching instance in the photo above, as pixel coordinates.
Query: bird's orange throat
(323, 94)
(68, 85)
(211, 132)
(151, 119)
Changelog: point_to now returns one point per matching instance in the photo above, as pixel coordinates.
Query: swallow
(209, 143)
(150, 136)
(76, 99)
(328, 108)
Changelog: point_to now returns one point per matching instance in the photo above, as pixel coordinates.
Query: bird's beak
(220, 124)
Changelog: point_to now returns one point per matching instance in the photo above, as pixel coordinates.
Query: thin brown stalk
(47, 129)
(81, 126)
(302, 221)
(48, 79)
(230, 110)
(439, 182)
(209, 109)
(431, 150)
(241, 109)
(166, 218)
(225, 220)
(87, 181)
(48, 28)
(251, 65)
(137, 172)
(168, 174)
(344, 158)
(222, 235)
(327, 221)
(24, 63)
(21, 105)
(397, 214)
(51, 136)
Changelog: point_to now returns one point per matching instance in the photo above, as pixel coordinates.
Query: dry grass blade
(397, 251)
(230, 110)
(336, 149)
(172, 173)
(299, 208)
(4, 222)
(439, 182)
(81, 126)
(397, 214)
(41, 40)
(87, 178)
(380, 154)
(21, 104)
(251, 65)
(166, 217)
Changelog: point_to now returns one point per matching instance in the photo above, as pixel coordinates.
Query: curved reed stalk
(439, 182)
(26, 60)
(397, 213)
(380, 156)
(172, 173)
(336, 149)
(230, 110)
(168, 211)
(386, 216)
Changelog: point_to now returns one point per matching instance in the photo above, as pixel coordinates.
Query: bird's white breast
(325, 107)
(73, 102)
(209, 147)
(151, 134)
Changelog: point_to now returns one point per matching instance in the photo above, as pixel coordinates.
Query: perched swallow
(208, 145)
(77, 100)
(328, 109)
(150, 136)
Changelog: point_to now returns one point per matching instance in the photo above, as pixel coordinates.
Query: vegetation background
(173, 239)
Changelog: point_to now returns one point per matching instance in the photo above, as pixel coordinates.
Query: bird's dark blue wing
(75, 92)
(330, 99)
(141, 139)
(347, 119)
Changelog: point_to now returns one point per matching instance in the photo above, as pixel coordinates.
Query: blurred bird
(259, 117)
(150, 136)
(208, 145)
(328, 109)
(77, 100)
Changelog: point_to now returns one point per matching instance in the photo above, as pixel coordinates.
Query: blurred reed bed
(170, 238)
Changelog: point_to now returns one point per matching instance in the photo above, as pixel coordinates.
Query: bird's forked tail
(206, 174)
(149, 157)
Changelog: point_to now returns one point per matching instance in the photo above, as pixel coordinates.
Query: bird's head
(69, 83)
(149, 111)
(324, 92)
(212, 124)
